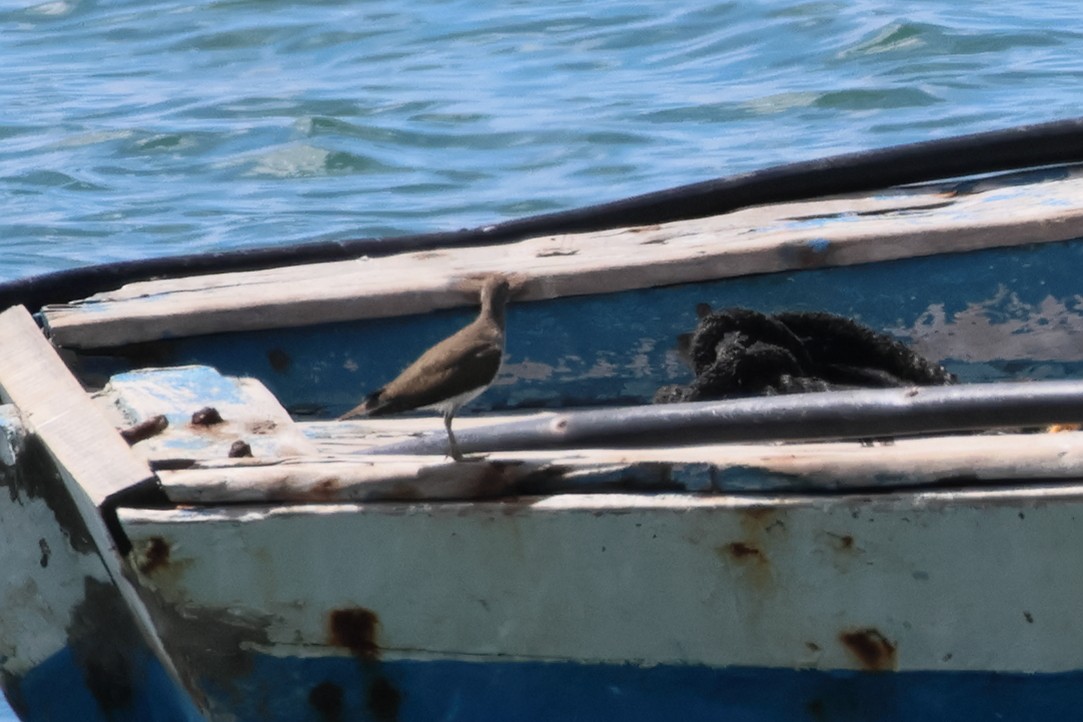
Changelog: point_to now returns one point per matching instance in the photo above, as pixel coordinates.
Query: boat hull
(233, 566)
(584, 607)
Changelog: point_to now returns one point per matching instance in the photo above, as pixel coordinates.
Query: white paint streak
(525, 370)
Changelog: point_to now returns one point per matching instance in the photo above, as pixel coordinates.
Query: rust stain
(404, 491)
(840, 542)
(326, 699)
(355, 629)
(742, 550)
(874, 651)
(144, 430)
(263, 426)
(751, 561)
(751, 552)
(1061, 428)
(207, 416)
(280, 360)
(323, 490)
(809, 252)
(240, 449)
(384, 699)
(757, 513)
(326, 488)
(154, 556)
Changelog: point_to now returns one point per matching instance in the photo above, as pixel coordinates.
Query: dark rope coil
(740, 352)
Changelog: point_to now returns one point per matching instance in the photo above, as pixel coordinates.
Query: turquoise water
(130, 129)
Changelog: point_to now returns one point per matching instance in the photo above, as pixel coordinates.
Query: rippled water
(130, 129)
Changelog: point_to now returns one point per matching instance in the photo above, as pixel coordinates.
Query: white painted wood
(832, 466)
(840, 231)
(321, 481)
(937, 581)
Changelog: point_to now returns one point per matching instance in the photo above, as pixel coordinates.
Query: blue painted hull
(291, 689)
(324, 370)
(59, 690)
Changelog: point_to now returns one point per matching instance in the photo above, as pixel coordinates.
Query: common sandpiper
(451, 373)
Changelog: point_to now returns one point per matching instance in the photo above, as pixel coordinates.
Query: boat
(190, 534)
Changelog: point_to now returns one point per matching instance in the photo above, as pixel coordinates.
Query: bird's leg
(453, 446)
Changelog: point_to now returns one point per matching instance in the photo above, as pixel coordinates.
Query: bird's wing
(445, 366)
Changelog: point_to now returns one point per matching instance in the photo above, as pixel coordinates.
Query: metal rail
(857, 414)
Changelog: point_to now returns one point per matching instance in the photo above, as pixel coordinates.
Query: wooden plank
(795, 468)
(842, 231)
(94, 463)
(58, 410)
(248, 413)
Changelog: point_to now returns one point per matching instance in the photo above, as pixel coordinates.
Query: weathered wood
(94, 467)
(799, 468)
(58, 410)
(338, 480)
(246, 412)
(843, 231)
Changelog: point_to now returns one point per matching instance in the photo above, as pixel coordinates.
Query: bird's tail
(365, 407)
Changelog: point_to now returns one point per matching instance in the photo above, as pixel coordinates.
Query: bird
(453, 372)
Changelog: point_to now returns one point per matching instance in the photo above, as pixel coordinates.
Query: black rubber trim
(1027, 146)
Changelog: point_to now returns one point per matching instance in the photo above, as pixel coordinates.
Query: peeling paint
(103, 638)
(36, 477)
(1000, 327)
(209, 647)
